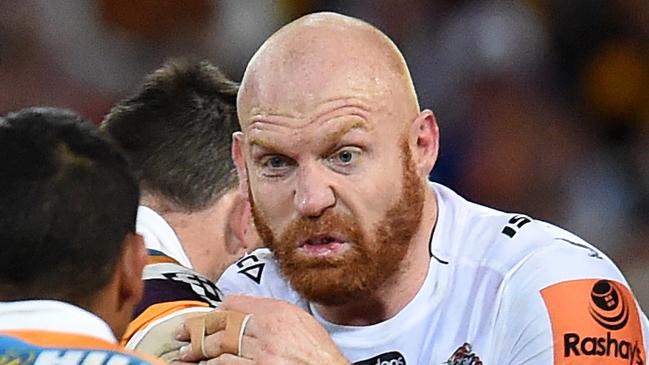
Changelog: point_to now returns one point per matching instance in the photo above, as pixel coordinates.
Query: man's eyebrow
(262, 142)
(332, 139)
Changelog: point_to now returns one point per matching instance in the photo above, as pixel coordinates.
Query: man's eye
(345, 156)
(275, 162)
(274, 166)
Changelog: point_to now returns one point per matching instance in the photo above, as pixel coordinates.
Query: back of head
(175, 131)
(67, 202)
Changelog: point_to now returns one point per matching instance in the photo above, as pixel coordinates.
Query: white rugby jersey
(501, 289)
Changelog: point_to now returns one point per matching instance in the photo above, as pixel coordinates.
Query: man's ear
(240, 163)
(132, 263)
(242, 235)
(425, 133)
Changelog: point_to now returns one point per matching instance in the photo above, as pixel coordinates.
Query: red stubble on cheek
(372, 258)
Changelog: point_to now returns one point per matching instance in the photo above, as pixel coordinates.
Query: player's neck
(107, 305)
(200, 233)
(400, 289)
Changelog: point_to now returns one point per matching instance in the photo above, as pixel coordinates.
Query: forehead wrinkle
(341, 108)
(336, 103)
(263, 122)
(256, 133)
(356, 105)
(332, 109)
(296, 128)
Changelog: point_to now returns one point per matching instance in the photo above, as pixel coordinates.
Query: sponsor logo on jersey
(251, 267)
(388, 358)
(594, 320)
(464, 356)
(608, 307)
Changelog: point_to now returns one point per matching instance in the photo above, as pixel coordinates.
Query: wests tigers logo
(463, 356)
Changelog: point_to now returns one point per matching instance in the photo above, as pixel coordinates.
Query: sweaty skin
(327, 77)
(331, 129)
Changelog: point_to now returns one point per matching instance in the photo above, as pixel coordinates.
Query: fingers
(213, 346)
(196, 327)
(210, 322)
(182, 333)
(215, 321)
(234, 327)
(258, 306)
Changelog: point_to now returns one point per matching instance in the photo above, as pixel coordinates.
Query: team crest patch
(463, 356)
(594, 321)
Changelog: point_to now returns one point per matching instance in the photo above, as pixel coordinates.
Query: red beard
(369, 262)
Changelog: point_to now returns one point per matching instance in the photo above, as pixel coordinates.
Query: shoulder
(561, 263)
(258, 267)
(566, 297)
(529, 255)
(70, 349)
(552, 292)
(166, 280)
(257, 274)
(502, 241)
(474, 235)
(556, 255)
(170, 291)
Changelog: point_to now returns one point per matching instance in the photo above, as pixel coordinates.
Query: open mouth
(323, 245)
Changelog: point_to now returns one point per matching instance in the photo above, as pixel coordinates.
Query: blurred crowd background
(543, 105)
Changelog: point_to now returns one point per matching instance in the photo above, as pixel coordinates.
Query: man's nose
(313, 194)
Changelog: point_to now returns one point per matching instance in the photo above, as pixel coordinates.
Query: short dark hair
(176, 131)
(67, 202)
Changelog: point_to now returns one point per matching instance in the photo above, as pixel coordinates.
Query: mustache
(329, 224)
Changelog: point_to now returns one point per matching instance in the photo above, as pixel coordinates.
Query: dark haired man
(335, 152)
(71, 262)
(175, 131)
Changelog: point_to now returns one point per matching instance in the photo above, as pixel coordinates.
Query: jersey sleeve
(165, 280)
(567, 303)
(171, 291)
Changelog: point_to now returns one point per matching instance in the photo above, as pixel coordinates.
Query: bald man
(368, 262)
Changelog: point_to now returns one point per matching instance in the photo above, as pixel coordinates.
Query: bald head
(323, 57)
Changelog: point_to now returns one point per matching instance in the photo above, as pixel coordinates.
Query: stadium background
(543, 105)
